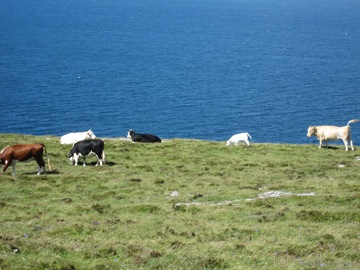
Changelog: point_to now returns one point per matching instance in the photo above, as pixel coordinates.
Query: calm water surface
(202, 69)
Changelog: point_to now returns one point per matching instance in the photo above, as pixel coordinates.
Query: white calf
(241, 137)
(74, 137)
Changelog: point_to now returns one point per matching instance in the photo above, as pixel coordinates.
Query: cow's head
(311, 131)
(130, 132)
(91, 134)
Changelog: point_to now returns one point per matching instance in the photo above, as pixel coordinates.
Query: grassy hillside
(183, 204)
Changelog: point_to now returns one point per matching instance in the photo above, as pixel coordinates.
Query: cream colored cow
(331, 133)
(74, 137)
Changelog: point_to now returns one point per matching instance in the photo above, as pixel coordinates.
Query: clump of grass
(123, 216)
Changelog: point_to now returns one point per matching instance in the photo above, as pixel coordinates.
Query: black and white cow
(145, 138)
(86, 148)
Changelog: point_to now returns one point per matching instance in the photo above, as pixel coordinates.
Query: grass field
(183, 204)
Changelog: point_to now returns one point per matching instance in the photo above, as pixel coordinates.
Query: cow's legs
(320, 142)
(76, 159)
(99, 161)
(351, 144)
(13, 167)
(84, 162)
(7, 164)
(247, 143)
(41, 165)
(41, 169)
(346, 145)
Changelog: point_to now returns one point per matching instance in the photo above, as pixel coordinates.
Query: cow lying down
(144, 138)
(21, 152)
(74, 137)
(87, 148)
(330, 133)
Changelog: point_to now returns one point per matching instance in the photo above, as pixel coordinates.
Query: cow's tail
(249, 135)
(353, 121)
(103, 156)
(48, 159)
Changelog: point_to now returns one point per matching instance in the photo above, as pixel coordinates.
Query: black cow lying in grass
(144, 138)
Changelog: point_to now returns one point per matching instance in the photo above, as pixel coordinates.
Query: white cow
(330, 133)
(241, 137)
(74, 137)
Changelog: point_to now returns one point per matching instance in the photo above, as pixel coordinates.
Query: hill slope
(183, 204)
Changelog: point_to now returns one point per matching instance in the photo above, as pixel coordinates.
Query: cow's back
(333, 132)
(74, 137)
(23, 152)
(71, 138)
(84, 147)
(151, 138)
(239, 137)
(145, 138)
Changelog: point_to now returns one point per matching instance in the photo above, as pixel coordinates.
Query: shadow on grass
(93, 163)
(55, 172)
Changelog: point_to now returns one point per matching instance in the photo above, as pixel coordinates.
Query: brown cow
(21, 152)
(326, 133)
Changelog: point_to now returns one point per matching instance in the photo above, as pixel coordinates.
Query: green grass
(122, 215)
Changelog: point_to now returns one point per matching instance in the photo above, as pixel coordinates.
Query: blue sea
(194, 69)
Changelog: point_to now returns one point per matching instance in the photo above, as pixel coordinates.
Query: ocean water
(199, 69)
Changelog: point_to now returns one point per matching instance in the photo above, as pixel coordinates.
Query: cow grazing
(330, 133)
(241, 137)
(21, 152)
(144, 138)
(74, 137)
(86, 148)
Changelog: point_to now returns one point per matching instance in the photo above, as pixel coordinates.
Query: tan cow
(330, 133)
